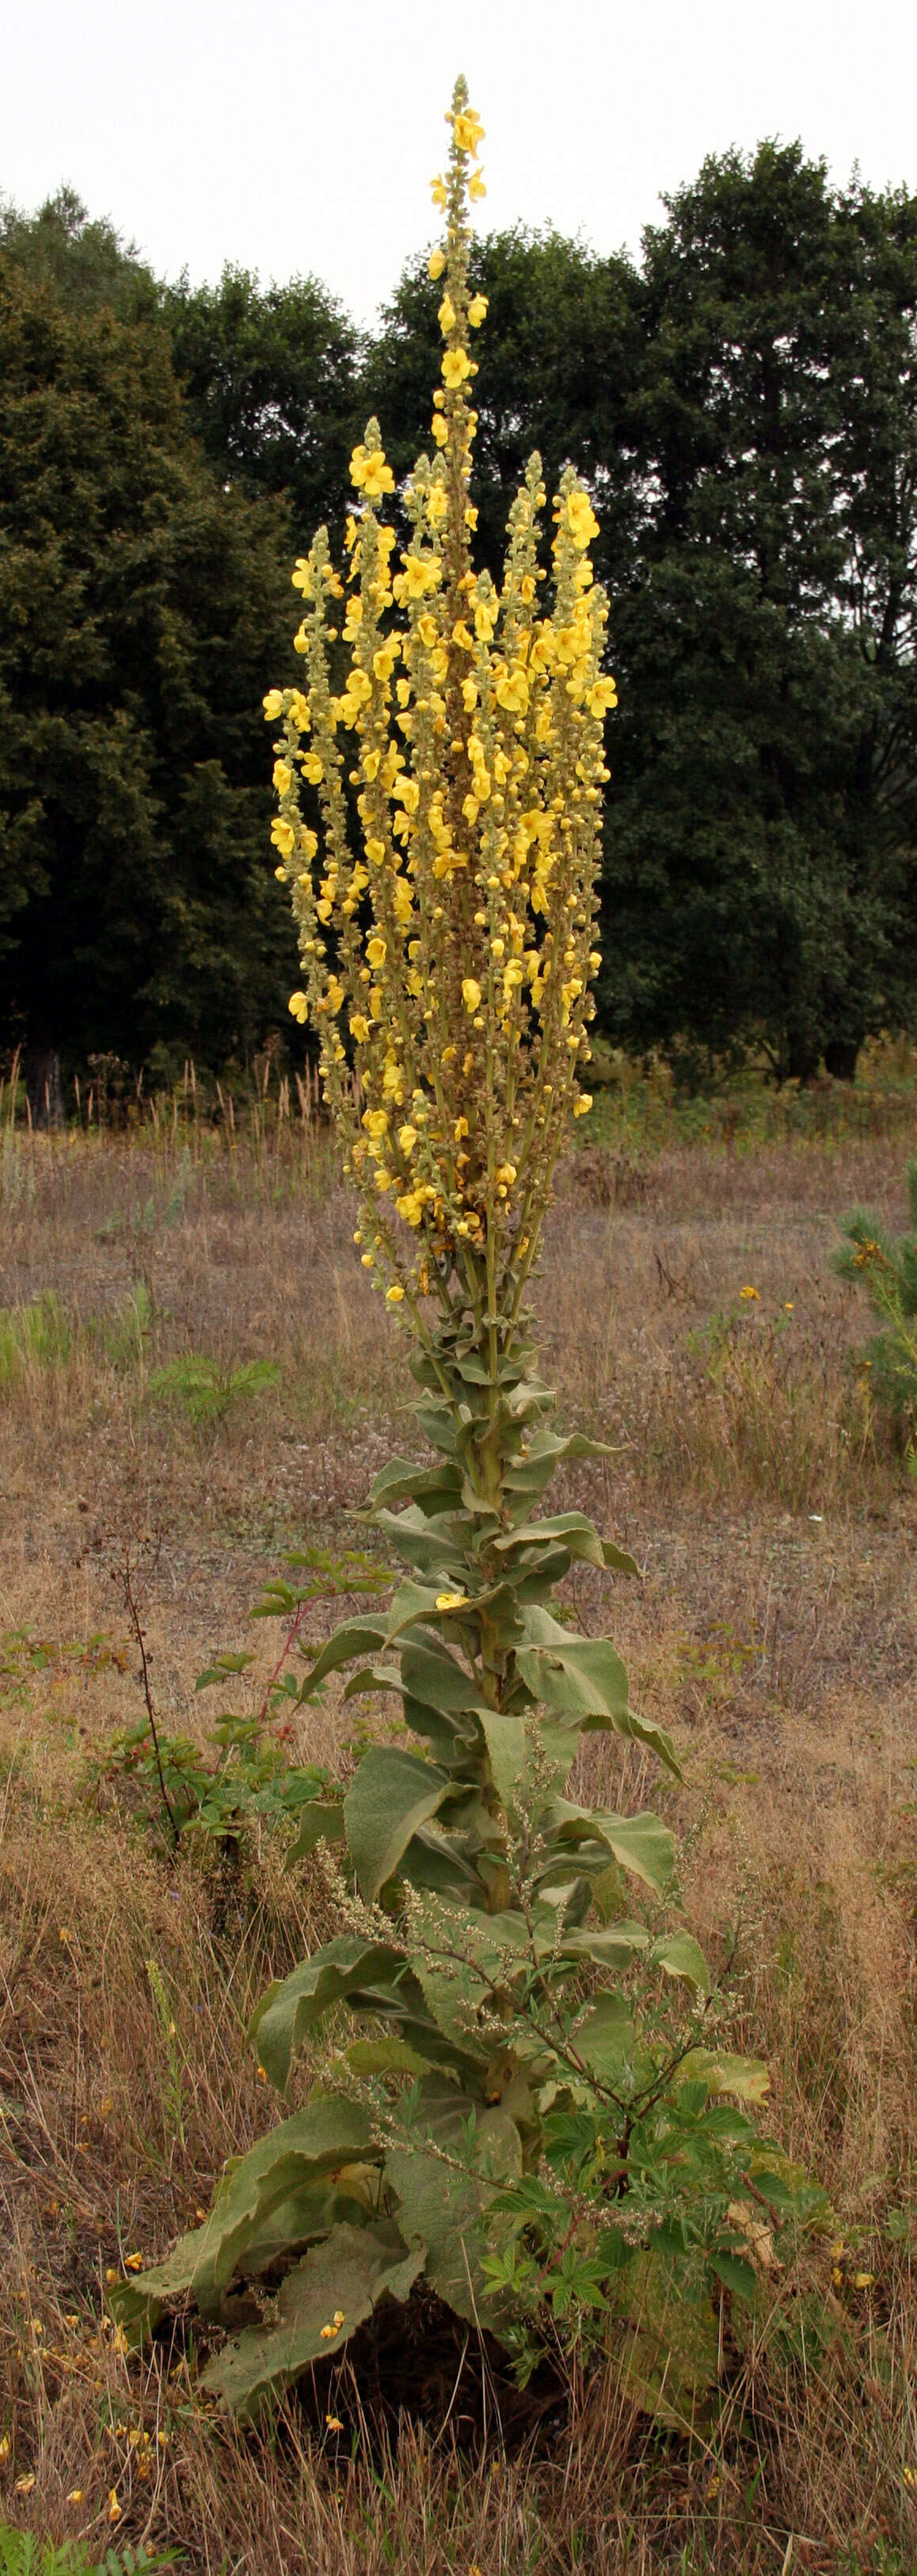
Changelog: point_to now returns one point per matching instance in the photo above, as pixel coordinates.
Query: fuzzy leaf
(400, 1482)
(329, 2134)
(746, 2078)
(579, 1535)
(322, 1822)
(642, 1843)
(351, 2270)
(386, 2057)
(390, 1796)
(357, 1637)
(680, 1956)
(442, 2208)
(289, 2009)
(505, 1740)
(571, 1674)
(605, 2038)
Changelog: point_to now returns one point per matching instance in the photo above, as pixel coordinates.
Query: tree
(270, 379)
(560, 352)
(760, 868)
(142, 610)
(84, 261)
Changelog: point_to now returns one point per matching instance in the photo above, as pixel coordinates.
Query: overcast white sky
(299, 136)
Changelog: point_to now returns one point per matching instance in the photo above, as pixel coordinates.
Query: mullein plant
(527, 2115)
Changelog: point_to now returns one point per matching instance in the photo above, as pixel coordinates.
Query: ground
(773, 1632)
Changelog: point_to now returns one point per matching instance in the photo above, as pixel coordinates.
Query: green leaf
(641, 1843)
(669, 2358)
(386, 2057)
(430, 1546)
(351, 2271)
(289, 2009)
(604, 2039)
(746, 2078)
(680, 1956)
(579, 1536)
(323, 1822)
(571, 1674)
(737, 2275)
(390, 1796)
(330, 2133)
(357, 1637)
(442, 2207)
(505, 1739)
(400, 1482)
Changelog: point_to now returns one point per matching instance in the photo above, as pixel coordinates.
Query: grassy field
(193, 1367)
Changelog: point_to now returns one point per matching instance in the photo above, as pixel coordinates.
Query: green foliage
(242, 1777)
(270, 381)
(135, 906)
(38, 1333)
(204, 1390)
(885, 1267)
(22, 2555)
(245, 1778)
(742, 404)
(527, 2107)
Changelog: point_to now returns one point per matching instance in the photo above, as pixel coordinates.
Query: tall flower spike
(447, 957)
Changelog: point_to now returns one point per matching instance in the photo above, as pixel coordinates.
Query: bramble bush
(522, 2103)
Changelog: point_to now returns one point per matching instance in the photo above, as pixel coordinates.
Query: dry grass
(774, 1633)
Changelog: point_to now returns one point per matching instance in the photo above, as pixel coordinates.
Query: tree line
(743, 402)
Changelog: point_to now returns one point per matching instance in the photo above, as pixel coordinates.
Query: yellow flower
(477, 311)
(601, 697)
(451, 1601)
(513, 691)
(446, 316)
(468, 131)
(471, 993)
(476, 188)
(359, 1027)
(334, 2424)
(299, 1005)
(407, 1139)
(582, 1106)
(436, 264)
(283, 777)
(370, 473)
(114, 2509)
(455, 367)
(581, 520)
(74, 2495)
(376, 951)
(273, 705)
(751, 1293)
(421, 573)
(283, 836)
(438, 192)
(439, 429)
(23, 2486)
(394, 1295)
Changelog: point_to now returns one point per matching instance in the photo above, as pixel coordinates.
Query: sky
(296, 139)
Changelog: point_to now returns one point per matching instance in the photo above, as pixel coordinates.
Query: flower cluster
(450, 732)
